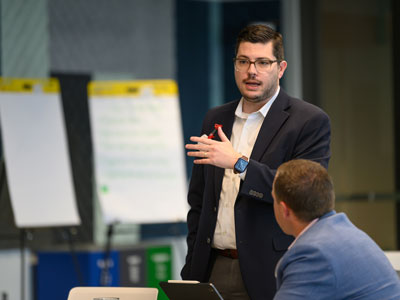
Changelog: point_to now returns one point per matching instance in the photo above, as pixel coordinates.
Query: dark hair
(262, 34)
(306, 187)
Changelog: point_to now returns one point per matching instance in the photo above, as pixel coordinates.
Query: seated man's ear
(286, 211)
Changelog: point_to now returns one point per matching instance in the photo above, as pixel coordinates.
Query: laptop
(114, 293)
(188, 289)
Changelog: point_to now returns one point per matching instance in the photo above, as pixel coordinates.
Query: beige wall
(356, 92)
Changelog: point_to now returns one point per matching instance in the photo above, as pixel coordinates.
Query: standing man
(330, 257)
(234, 240)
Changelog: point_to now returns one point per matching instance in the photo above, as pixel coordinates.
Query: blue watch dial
(241, 165)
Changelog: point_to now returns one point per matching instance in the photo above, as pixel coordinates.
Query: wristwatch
(241, 165)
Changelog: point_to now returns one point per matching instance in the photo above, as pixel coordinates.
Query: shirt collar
(303, 231)
(263, 110)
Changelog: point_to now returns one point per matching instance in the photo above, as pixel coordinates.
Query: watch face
(241, 165)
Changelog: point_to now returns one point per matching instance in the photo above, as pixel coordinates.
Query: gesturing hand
(220, 154)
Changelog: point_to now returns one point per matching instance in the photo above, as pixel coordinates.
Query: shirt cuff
(243, 175)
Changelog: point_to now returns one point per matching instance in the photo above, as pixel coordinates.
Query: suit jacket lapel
(271, 125)
(226, 118)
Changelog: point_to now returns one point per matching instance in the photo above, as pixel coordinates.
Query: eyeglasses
(262, 65)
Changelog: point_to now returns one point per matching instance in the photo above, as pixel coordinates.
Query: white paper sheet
(139, 157)
(37, 160)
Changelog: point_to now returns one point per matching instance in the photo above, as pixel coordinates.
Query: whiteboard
(139, 153)
(36, 154)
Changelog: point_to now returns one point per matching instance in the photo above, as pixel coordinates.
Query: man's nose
(252, 68)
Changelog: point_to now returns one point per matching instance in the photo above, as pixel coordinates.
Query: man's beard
(268, 93)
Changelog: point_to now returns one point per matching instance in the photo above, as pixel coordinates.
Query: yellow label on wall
(133, 88)
(29, 85)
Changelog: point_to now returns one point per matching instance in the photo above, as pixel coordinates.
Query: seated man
(330, 257)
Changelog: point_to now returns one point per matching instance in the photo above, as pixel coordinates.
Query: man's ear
(285, 209)
(282, 68)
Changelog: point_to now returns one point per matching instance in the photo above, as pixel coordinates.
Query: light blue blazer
(335, 260)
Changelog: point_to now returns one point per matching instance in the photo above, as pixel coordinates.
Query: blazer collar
(328, 214)
(227, 117)
(275, 118)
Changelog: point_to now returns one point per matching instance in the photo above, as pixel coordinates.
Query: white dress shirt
(244, 134)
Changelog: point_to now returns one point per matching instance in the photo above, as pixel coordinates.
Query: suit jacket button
(215, 208)
(208, 240)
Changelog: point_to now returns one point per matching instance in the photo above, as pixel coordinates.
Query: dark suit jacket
(292, 129)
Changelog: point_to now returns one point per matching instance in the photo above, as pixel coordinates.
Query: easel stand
(22, 251)
(70, 235)
(105, 278)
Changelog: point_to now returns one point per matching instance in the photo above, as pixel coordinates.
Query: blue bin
(58, 272)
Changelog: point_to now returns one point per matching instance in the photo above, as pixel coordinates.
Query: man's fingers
(202, 140)
(222, 135)
(203, 161)
(202, 154)
(198, 147)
